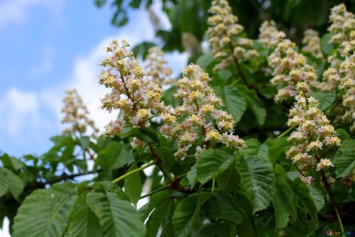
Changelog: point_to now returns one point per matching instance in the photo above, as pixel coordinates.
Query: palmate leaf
(44, 213)
(223, 209)
(133, 184)
(187, 212)
(211, 163)
(156, 218)
(115, 155)
(234, 101)
(4, 184)
(345, 158)
(325, 99)
(155, 200)
(15, 184)
(83, 221)
(257, 177)
(302, 192)
(229, 179)
(283, 200)
(117, 217)
(251, 149)
(167, 228)
(254, 103)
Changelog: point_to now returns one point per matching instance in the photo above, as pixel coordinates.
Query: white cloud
(18, 108)
(15, 11)
(27, 120)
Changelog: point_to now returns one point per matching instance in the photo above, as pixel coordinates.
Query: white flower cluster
(342, 64)
(290, 69)
(267, 31)
(313, 134)
(137, 98)
(197, 124)
(200, 122)
(224, 36)
(76, 114)
(311, 42)
(156, 67)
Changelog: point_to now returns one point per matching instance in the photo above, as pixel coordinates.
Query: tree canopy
(256, 138)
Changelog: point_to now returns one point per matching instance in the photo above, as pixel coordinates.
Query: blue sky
(50, 46)
(47, 47)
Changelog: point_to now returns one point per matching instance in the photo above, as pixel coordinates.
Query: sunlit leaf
(45, 212)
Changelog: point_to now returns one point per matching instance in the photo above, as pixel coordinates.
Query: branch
(65, 176)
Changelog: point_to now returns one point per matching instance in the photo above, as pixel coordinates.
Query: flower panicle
(290, 69)
(313, 134)
(268, 32)
(76, 115)
(156, 67)
(196, 124)
(311, 42)
(341, 72)
(225, 38)
(136, 97)
(201, 123)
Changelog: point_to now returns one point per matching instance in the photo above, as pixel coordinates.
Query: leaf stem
(213, 182)
(160, 165)
(287, 131)
(339, 219)
(134, 171)
(155, 191)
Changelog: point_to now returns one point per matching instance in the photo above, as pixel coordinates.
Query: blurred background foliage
(188, 19)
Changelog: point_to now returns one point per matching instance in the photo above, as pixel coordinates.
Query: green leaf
(114, 156)
(211, 163)
(145, 134)
(283, 200)
(234, 102)
(60, 142)
(142, 49)
(229, 179)
(187, 213)
(192, 175)
(155, 200)
(4, 184)
(301, 190)
(167, 156)
(167, 228)
(317, 196)
(45, 212)
(168, 97)
(325, 44)
(257, 178)
(83, 221)
(15, 183)
(135, 3)
(342, 134)
(100, 3)
(325, 99)
(204, 60)
(11, 162)
(133, 184)
(156, 218)
(255, 104)
(277, 149)
(117, 216)
(221, 208)
(251, 149)
(345, 158)
(85, 142)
